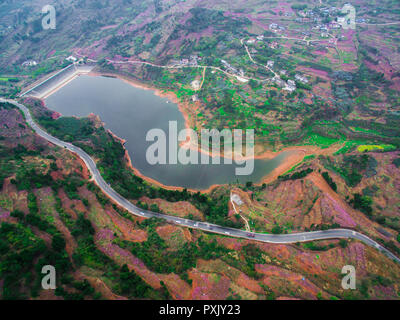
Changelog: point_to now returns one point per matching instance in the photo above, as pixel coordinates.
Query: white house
(301, 78)
(71, 59)
(290, 86)
(29, 63)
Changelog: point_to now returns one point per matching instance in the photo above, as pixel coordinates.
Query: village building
(301, 78)
(71, 59)
(195, 84)
(236, 199)
(273, 45)
(29, 63)
(290, 86)
(273, 26)
(334, 25)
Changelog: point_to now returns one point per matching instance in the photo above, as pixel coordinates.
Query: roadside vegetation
(100, 144)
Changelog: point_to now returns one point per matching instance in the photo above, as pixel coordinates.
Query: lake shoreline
(299, 152)
(287, 164)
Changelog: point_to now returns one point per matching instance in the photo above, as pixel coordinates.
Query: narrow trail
(243, 218)
(204, 77)
(256, 63)
(379, 24)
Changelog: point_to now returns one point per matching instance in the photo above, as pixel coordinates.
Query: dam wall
(44, 88)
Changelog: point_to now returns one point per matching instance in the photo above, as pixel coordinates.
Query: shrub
(329, 180)
(297, 175)
(17, 214)
(362, 203)
(277, 229)
(58, 243)
(343, 243)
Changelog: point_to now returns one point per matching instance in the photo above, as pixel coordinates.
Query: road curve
(205, 226)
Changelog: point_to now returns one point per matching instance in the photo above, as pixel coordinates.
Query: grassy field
(380, 147)
(6, 79)
(320, 141)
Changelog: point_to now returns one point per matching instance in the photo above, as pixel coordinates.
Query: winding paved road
(270, 238)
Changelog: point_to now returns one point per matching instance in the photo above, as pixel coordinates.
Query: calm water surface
(130, 113)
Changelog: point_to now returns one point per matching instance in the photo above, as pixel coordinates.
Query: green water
(130, 113)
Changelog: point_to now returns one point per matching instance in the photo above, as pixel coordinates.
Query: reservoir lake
(130, 112)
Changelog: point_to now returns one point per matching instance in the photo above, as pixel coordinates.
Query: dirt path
(243, 218)
(204, 77)
(256, 63)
